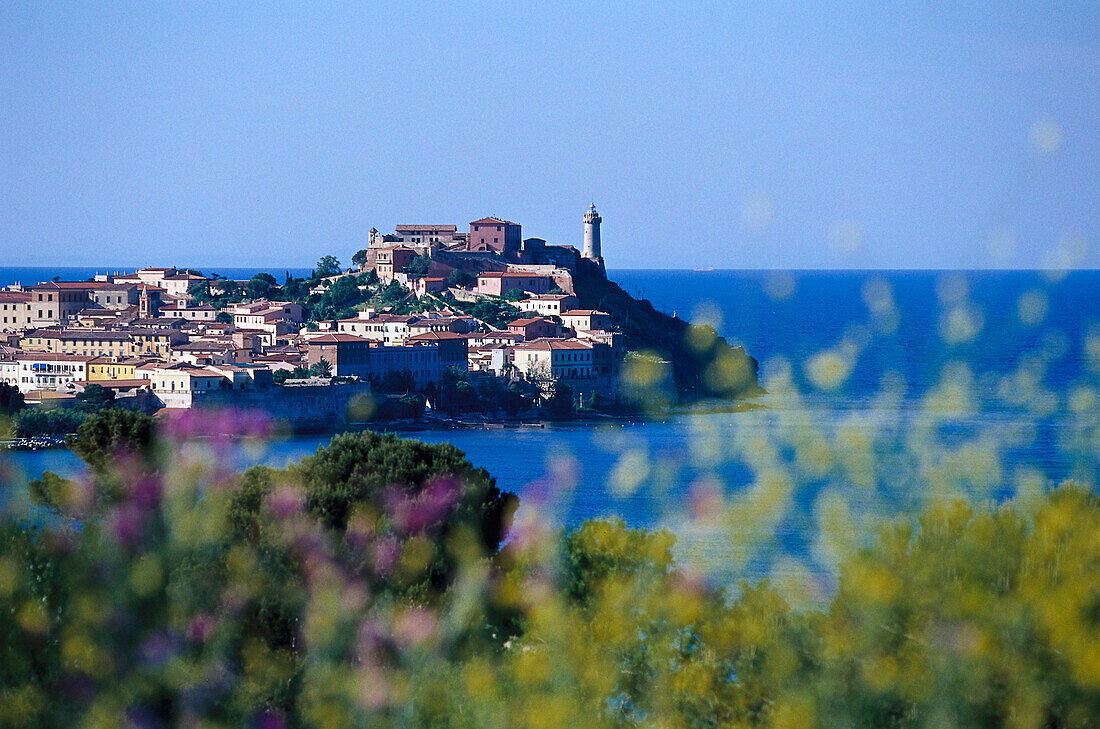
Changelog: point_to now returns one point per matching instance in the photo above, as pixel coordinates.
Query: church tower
(145, 305)
(592, 222)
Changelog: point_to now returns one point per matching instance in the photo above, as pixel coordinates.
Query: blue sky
(708, 134)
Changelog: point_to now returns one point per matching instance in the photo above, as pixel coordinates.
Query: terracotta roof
(335, 338)
(117, 384)
(52, 357)
(494, 335)
(432, 228)
(492, 221)
(70, 285)
(83, 334)
(550, 344)
(584, 312)
(201, 346)
(530, 320)
(14, 296)
(433, 336)
(511, 274)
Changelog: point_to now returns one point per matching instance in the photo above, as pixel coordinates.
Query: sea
(886, 389)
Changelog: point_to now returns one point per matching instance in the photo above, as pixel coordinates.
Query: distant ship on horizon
(711, 268)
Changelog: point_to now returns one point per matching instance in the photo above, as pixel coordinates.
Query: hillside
(703, 364)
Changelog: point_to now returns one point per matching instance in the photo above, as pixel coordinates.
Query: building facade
(498, 283)
(496, 235)
(15, 311)
(49, 370)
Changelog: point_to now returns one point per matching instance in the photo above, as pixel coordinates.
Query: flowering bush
(366, 586)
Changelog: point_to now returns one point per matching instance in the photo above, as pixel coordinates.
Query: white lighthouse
(592, 222)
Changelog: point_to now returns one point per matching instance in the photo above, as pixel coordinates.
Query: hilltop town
(428, 316)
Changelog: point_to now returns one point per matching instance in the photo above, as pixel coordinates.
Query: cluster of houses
(144, 334)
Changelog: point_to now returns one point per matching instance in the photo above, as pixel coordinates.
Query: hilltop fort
(481, 318)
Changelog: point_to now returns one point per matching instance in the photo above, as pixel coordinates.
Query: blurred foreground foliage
(367, 586)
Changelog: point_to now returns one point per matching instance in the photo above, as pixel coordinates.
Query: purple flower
(416, 513)
(146, 493)
(140, 717)
(158, 649)
(269, 719)
(285, 502)
(127, 522)
(201, 628)
(387, 550)
(415, 626)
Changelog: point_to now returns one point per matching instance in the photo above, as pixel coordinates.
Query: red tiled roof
(70, 285)
(52, 357)
(335, 338)
(554, 344)
(117, 384)
(492, 221)
(427, 336)
(511, 274)
(432, 228)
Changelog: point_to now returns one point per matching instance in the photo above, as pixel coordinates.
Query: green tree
(11, 399)
(261, 286)
(200, 291)
(515, 295)
(297, 373)
(323, 368)
(495, 312)
(95, 397)
(418, 266)
(326, 267)
(598, 552)
(445, 492)
(393, 292)
(460, 278)
(561, 403)
(295, 289)
(58, 421)
(360, 258)
(112, 435)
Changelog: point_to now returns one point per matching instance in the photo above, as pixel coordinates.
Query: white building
(15, 311)
(389, 329)
(199, 313)
(181, 385)
(548, 304)
(49, 370)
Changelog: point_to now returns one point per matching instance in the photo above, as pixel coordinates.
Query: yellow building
(105, 368)
(116, 344)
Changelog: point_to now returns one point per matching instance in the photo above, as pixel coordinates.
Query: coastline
(407, 426)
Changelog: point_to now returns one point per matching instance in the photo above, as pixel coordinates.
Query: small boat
(703, 269)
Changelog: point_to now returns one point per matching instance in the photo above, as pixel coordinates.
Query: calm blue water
(1022, 415)
(796, 314)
